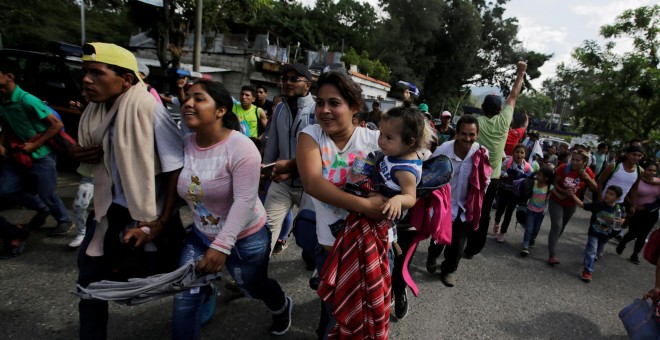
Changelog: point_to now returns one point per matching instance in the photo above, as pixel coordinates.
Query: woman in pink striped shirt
(217, 181)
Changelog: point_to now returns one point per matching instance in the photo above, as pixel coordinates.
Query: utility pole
(82, 22)
(197, 51)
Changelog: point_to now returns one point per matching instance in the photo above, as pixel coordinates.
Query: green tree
(448, 45)
(340, 24)
(30, 24)
(170, 25)
(617, 96)
(536, 104)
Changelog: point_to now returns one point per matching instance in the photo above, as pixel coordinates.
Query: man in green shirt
(28, 120)
(493, 132)
(249, 115)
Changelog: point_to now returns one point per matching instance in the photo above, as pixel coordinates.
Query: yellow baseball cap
(111, 54)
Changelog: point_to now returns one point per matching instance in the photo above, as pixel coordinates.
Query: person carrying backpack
(625, 174)
(574, 177)
(538, 201)
(515, 167)
(645, 215)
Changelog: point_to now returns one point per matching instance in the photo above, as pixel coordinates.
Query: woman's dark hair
(349, 90)
(548, 173)
(413, 125)
(222, 98)
(563, 156)
(648, 162)
(518, 146)
(467, 120)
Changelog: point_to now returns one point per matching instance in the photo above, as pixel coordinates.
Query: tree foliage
(30, 24)
(446, 45)
(170, 25)
(535, 104)
(336, 24)
(616, 96)
(373, 68)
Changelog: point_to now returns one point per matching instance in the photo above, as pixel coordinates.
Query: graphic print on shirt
(195, 195)
(244, 125)
(335, 169)
(605, 221)
(570, 182)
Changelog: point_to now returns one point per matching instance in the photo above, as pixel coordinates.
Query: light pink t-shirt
(219, 183)
(647, 193)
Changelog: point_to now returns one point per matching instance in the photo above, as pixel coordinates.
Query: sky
(559, 26)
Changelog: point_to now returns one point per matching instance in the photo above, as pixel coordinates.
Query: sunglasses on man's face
(292, 79)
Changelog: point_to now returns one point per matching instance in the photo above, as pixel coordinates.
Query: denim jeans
(81, 202)
(329, 319)
(13, 183)
(594, 246)
(532, 226)
(247, 264)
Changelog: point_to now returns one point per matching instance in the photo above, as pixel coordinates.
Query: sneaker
(77, 241)
(448, 279)
(634, 258)
(431, 264)
(532, 243)
(467, 256)
(61, 229)
(619, 248)
(524, 252)
(280, 245)
(38, 220)
(401, 305)
(496, 229)
(499, 238)
(586, 276)
(208, 308)
(553, 261)
(282, 321)
(15, 248)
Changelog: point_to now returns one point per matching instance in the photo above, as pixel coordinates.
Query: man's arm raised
(517, 85)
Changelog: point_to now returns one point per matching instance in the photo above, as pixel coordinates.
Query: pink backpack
(431, 216)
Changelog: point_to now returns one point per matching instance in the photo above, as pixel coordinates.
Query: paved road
(499, 295)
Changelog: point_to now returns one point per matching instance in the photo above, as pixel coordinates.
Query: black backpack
(523, 188)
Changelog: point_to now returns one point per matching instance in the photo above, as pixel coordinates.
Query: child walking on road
(536, 207)
(606, 219)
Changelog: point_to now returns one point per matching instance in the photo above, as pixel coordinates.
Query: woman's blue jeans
(247, 264)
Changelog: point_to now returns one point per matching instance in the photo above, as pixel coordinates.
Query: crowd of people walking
(242, 166)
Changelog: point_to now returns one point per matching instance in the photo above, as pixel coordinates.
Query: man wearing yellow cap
(134, 151)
